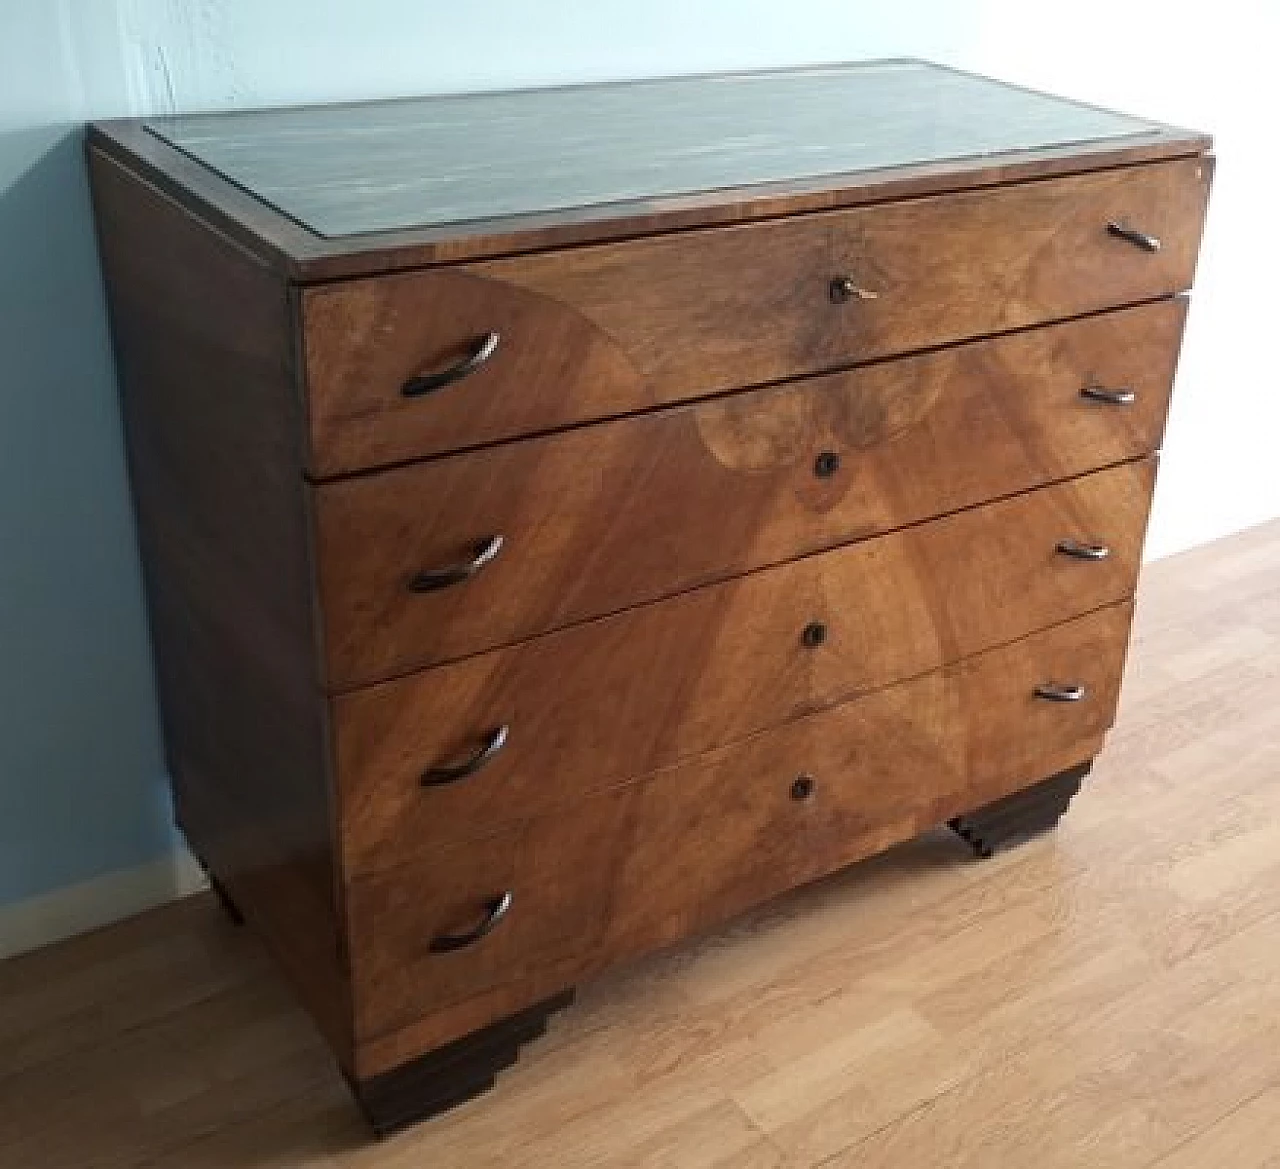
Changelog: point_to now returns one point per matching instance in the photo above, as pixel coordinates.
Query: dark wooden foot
(1022, 815)
(457, 1072)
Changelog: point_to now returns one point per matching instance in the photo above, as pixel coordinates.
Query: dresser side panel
(214, 426)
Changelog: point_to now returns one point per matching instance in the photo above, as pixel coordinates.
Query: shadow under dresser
(573, 516)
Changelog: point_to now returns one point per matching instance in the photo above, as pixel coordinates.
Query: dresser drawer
(649, 862)
(726, 830)
(541, 341)
(617, 698)
(609, 516)
(408, 924)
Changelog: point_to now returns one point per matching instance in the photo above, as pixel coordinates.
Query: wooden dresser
(573, 516)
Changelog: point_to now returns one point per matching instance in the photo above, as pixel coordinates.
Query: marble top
(343, 170)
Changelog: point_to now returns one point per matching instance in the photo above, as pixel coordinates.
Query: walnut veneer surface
(543, 570)
(1108, 996)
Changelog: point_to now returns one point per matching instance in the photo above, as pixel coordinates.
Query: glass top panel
(348, 169)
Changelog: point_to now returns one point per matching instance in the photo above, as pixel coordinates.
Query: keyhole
(815, 633)
(803, 787)
(826, 464)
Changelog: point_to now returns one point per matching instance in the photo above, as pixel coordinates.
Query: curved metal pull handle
(495, 910)
(1121, 397)
(494, 742)
(428, 581)
(425, 383)
(1078, 550)
(1139, 239)
(1061, 692)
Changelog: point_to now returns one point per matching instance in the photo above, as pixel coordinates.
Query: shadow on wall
(81, 771)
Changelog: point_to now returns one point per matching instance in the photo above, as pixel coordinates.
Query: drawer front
(646, 863)
(590, 332)
(598, 519)
(725, 831)
(398, 920)
(620, 697)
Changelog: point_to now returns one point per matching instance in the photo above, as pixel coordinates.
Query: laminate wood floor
(1106, 996)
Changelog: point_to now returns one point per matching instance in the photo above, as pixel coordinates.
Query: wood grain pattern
(224, 534)
(733, 642)
(598, 331)
(1107, 996)
(710, 841)
(617, 698)
(557, 867)
(627, 870)
(601, 518)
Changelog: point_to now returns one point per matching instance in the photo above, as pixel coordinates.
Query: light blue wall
(80, 765)
(81, 778)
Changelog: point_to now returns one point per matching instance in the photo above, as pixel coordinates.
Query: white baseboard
(76, 909)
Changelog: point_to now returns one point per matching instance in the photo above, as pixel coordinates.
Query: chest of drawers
(571, 517)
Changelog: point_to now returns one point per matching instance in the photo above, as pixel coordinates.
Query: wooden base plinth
(1022, 815)
(457, 1072)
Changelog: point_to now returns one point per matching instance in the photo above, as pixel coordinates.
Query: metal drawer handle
(495, 910)
(1061, 692)
(481, 351)
(428, 581)
(495, 741)
(844, 288)
(1139, 239)
(1122, 397)
(1078, 550)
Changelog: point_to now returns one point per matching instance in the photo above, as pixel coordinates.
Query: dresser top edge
(304, 256)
